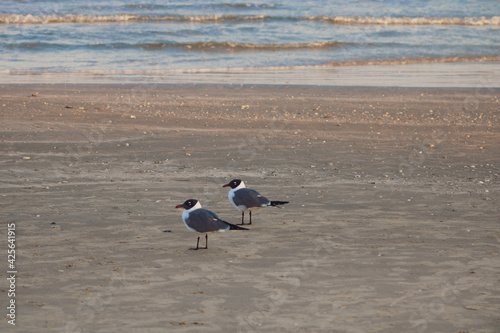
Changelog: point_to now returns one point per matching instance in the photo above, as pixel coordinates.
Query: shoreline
(392, 224)
(417, 75)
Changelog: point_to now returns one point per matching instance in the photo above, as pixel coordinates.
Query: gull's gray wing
(249, 198)
(203, 220)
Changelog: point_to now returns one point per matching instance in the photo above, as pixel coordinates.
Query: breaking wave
(234, 46)
(339, 20)
(194, 46)
(466, 21)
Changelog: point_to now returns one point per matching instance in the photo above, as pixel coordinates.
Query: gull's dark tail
(276, 203)
(235, 227)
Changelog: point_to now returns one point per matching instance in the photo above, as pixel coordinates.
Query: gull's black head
(188, 204)
(233, 183)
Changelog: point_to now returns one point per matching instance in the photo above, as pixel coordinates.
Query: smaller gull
(246, 199)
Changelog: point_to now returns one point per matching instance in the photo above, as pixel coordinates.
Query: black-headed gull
(202, 220)
(246, 199)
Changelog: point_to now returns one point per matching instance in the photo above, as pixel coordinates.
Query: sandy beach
(392, 225)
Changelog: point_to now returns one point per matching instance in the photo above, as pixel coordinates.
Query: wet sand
(392, 225)
(371, 74)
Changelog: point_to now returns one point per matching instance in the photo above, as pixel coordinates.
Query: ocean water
(156, 36)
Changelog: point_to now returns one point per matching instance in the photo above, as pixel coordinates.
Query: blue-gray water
(137, 35)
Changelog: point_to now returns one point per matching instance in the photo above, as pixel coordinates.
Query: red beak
(226, 185)
(178, 206)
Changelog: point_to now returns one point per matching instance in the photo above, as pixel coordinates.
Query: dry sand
(392, 225)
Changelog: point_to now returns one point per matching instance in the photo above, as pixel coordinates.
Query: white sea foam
(360, 20)
(46, 19)
(467, 21)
